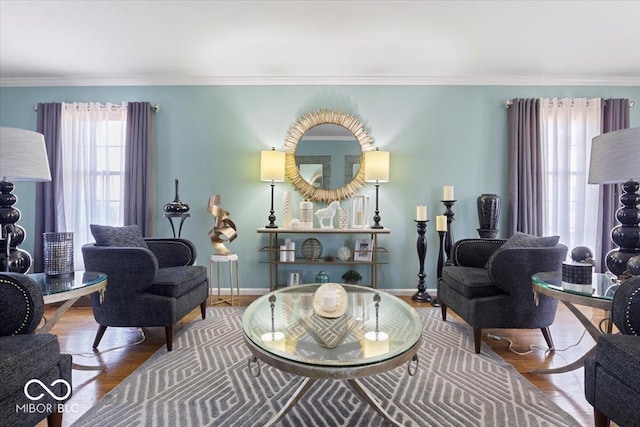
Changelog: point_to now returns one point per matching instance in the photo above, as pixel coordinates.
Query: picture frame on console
(363, 250)
(294, 278)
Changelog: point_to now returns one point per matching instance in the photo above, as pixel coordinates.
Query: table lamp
(376, 169)
(23, 157)
(615, 158)
(272, 169)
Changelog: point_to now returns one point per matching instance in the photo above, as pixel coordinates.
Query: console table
(274, 250)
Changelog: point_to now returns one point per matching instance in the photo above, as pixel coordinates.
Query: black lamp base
(12, 259)
(627, 234)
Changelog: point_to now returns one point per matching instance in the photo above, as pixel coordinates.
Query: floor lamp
(615, 158)
(376, 169)
(272, 169)
(23, 158)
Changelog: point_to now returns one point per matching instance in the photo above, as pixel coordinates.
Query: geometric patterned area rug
(205, 381)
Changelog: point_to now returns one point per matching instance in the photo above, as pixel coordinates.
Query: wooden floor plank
(77, 329)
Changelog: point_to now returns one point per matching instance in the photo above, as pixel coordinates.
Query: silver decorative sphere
(581, 254)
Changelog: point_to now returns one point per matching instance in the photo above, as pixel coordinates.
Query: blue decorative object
(322, 277)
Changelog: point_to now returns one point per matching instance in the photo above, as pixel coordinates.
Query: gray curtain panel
(526, 184)
(615, 116)
(138, 183)
(49, 124)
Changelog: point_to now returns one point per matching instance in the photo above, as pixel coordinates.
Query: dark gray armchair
(29, 359)
(155, 285)
(489, 284)
(612, 377)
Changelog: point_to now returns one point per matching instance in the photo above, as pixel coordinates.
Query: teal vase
(322, 277)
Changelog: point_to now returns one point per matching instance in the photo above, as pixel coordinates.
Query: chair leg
(600, 419)
(99, 334)
(203, 309)
(54, 419)
(477, 339)
(547, 337)
(168, 333)
(443, 310)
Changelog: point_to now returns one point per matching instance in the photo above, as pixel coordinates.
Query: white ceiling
(319, 42)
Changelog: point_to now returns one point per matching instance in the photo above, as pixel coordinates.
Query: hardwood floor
(77, 328)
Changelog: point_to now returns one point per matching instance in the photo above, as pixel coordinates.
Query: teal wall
(210, 137)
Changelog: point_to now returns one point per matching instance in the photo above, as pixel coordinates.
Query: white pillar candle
(375, 344)
(329, 301)
(441, 223)
(447, 192)
(421, 213)
(291, 251)
(283, 253)
(275, 340)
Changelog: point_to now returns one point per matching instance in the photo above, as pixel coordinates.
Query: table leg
(56, 316)
(304, 387)
(366, 395)
(593, 331)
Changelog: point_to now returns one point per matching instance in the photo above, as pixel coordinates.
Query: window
(92, 165)
(567, 128)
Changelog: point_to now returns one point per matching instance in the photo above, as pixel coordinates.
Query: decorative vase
(343, 218)
(306, 215)
(287, 209)
(176, 206)
(322, 277)
(488, 215)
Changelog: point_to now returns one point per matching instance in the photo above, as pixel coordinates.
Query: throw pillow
(127, 236)
(523, 240)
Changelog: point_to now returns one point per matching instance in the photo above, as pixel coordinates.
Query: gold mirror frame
(298, 129)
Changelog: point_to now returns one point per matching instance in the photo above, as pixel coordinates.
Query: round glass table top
(602, 285)
(284, 323)
(50, 285)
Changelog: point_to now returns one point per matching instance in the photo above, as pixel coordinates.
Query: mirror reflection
(328, 156)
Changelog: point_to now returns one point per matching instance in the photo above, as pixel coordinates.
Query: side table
(182, 216)
(230, 260)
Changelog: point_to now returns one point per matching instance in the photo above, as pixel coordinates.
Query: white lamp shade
(376, 166)
(23, 156)
(615, 157)
(272, 166)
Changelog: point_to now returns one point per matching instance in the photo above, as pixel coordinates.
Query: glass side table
(603, 289)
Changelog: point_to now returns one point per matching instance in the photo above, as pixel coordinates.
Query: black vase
(176, 206)
(488, 215)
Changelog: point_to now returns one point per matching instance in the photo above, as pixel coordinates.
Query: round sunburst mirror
(324, 155)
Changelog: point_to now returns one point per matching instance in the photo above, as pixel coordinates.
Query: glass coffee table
(376, 333)
(601, 296)
(67, 288)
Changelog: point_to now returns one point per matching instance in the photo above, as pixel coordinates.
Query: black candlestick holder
(448, 241)
(422, 295)
(440, 253)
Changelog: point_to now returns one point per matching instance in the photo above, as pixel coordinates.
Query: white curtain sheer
(567, 127)
(93, 138)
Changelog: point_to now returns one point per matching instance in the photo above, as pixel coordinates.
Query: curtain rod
(509, 103)
(155, 108)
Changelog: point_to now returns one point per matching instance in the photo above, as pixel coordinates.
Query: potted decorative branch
(351, 277)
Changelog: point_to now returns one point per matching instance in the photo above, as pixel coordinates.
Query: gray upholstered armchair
(489, 283)
(612, 377)
(27, 358)
(150, 282)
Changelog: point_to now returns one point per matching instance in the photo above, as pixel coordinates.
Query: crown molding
(322, 80)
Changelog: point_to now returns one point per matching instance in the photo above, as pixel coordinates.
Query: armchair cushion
(177, 281)
(470, 282)
(523, 240)
(127, 236)
(620, 355)
(35, 353)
